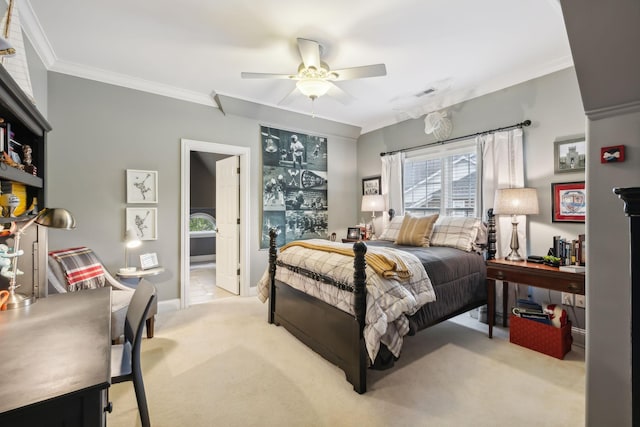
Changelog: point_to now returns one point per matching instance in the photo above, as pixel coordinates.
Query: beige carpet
(222, 364)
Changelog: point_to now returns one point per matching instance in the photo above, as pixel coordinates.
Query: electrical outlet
(581, 301)
(567, 298)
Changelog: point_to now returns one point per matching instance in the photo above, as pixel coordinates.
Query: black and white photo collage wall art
(294, 186)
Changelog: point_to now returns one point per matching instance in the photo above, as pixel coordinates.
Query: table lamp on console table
(514, 202)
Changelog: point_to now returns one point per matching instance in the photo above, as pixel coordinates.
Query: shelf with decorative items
(23, 131)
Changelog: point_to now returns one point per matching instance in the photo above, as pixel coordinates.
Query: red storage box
(537, 336)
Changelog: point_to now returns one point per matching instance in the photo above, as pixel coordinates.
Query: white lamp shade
(313, 88)
(131, 239)
(516, 201)
(372, 203)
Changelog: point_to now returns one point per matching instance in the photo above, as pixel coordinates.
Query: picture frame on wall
(568, 202)
(371, 186)
(142, 186)
(570, 155)
(144, 220)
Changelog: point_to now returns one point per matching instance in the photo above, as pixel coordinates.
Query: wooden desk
(531, 274)
(56, 360)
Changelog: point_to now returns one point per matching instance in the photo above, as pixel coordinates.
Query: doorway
(217, 151)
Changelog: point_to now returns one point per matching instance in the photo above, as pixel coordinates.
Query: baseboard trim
(169, 305)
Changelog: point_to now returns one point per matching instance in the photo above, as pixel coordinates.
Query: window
(442, 180)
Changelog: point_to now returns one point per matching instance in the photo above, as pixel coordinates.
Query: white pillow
(392, 231)
(455, 232)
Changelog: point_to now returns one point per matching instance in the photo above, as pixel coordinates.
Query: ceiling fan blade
(289, 97)
(343, 97)
(265, 76)
(310, 53)
(361, 72)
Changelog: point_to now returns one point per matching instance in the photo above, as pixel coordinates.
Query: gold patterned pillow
(416, 231)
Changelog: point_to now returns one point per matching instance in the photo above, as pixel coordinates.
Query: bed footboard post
(491, 235)
(360, 309)
(272, 273)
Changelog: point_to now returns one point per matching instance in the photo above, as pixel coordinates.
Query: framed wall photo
(142, 186)
(570, 155)
(144, 221)
(569, 202)
(371, 186)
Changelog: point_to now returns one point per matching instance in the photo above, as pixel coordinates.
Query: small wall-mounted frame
(613, 154)
(353, 233)
(142, 186)
(570, 155)
(568, 202)
(371, 185)
(144, 221)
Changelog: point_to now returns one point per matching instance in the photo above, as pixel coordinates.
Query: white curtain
(503, 167)
(391, 183)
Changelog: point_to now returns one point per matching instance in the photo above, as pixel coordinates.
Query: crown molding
(34, 32)
(91, 73)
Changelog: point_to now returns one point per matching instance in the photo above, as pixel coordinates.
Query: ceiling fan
(314, 78)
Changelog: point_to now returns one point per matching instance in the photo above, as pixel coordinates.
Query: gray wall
(203, 183)
(100, 130)
(604, 39)
(553, 105)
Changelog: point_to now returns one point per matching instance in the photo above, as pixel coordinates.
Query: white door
(227, 218)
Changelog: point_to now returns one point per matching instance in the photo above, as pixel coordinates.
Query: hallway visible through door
(202, 283)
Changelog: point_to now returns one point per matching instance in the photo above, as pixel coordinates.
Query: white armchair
(120, 298)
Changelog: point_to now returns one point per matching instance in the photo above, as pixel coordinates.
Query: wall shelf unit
(22, 122)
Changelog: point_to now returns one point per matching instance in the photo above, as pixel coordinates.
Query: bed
(339, 334)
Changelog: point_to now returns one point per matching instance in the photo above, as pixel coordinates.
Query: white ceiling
(187, 49)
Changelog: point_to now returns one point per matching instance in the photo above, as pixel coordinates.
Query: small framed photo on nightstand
(353, 233)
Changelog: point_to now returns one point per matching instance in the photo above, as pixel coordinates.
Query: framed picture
(371, 185)
(353, 233)
(142, 186)
(144, 221)
(570, 155)
(613, 154)
(569, 202)
(148, 261)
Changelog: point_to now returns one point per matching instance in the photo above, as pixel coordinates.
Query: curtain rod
(517, 125)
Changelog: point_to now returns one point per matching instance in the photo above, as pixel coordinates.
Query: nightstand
(531, 274)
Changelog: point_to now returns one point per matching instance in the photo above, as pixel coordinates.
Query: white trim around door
(188, 145)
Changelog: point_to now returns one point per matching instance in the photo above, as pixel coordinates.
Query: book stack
(570, 252)
(528, 309)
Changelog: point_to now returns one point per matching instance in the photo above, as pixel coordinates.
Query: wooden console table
(531, 274)
(56, 360)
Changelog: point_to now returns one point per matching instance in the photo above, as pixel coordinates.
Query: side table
(134, 276)
(531, 274)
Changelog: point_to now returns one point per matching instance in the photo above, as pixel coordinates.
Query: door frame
(186, 146)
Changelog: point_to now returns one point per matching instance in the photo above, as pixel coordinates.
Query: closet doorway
(206, 241)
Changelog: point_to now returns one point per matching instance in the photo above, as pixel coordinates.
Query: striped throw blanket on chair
(81, 268)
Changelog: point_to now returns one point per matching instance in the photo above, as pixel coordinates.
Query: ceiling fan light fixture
(313, 88)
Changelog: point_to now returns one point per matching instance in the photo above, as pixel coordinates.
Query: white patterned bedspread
(389, 301)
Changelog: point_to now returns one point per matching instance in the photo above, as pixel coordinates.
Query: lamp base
(19, 300)
(514, 256)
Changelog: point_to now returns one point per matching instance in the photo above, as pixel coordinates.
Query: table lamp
(131, 240)
(373, 203)
(47, 217)
(514, 202)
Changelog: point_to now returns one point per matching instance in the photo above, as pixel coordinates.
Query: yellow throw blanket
(381, 264)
